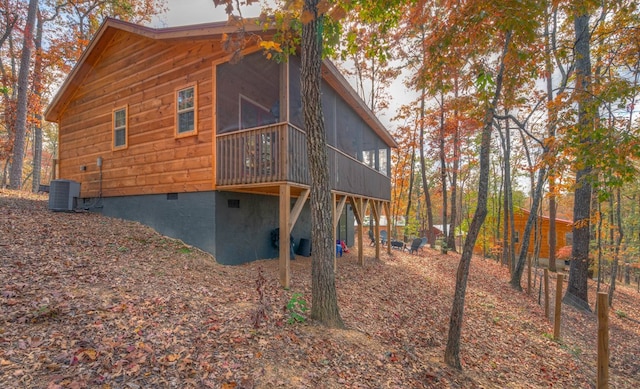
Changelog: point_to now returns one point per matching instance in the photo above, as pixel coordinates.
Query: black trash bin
(275, 241)
(304, 247)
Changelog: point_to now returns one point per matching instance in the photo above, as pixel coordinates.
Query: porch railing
(278, 153)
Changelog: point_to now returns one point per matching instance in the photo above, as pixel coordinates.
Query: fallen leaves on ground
(89, 301)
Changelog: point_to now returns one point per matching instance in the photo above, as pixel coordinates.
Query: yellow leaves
(581, 223)
(271, 45)
(87, 355)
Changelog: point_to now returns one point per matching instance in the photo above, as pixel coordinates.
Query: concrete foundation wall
(234, 227)
(244, 233)
(189, 217)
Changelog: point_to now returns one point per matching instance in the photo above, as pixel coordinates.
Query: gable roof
(110, 27)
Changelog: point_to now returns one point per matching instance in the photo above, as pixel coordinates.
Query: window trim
(177, 133)
(115, 147)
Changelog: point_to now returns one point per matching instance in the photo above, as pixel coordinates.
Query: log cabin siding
(563, 227)
(494, 246)
(141, 68)
(155, 160)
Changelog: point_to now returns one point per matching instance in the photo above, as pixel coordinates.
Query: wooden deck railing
(278, 153)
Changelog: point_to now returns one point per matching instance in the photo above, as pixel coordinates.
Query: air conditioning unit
(63, 195)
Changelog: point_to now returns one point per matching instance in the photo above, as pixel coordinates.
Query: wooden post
(360, 205)
(334, 199)
(603, 341)
(387, 211)
(284, 243)
(558, 308)
(529, 275)
(338, 207)
(376, 218)
(546, 293)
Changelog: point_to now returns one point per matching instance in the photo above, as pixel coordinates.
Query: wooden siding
(140, 71)
(563, 227)
(155, 160)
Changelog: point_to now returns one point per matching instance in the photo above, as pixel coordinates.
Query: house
(397, 228)
(158, 126)
(564, 235)
(564, 230)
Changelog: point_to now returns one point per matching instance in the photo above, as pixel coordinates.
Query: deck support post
(358, 213)
(338, 207)
(376, 218)
(387, 211)
(297, 208)
(284, 243)
(334, 197)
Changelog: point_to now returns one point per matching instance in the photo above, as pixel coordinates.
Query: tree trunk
(552, 225)
(443, 178)
(423, 171)
(452, 352)
(616, 255)
(599, 246)
(20, 128)
(506, 247)
(577, 292)
(324, 305)
(516, 277)
(551, 111)
(37, 88)
(509, 194)
(410, 195)
(451, 241)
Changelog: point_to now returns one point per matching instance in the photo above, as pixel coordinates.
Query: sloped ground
(88, 301)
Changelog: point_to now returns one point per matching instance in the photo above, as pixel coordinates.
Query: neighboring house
(158, 126)
(520, 217)
(438, 230)
(564, 230)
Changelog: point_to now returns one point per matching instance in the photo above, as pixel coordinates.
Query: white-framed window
(186, 111)
(120, 131)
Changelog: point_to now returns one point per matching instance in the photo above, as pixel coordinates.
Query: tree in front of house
(309, 24)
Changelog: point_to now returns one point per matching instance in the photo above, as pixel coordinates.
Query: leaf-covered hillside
(92, 302)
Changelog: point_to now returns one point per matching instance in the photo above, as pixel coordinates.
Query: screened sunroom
(260, 133)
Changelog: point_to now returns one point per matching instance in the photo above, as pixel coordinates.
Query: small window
(382, 161)
(186, 111)
(120, 128)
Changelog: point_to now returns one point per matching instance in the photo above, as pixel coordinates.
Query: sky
(187, 12)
